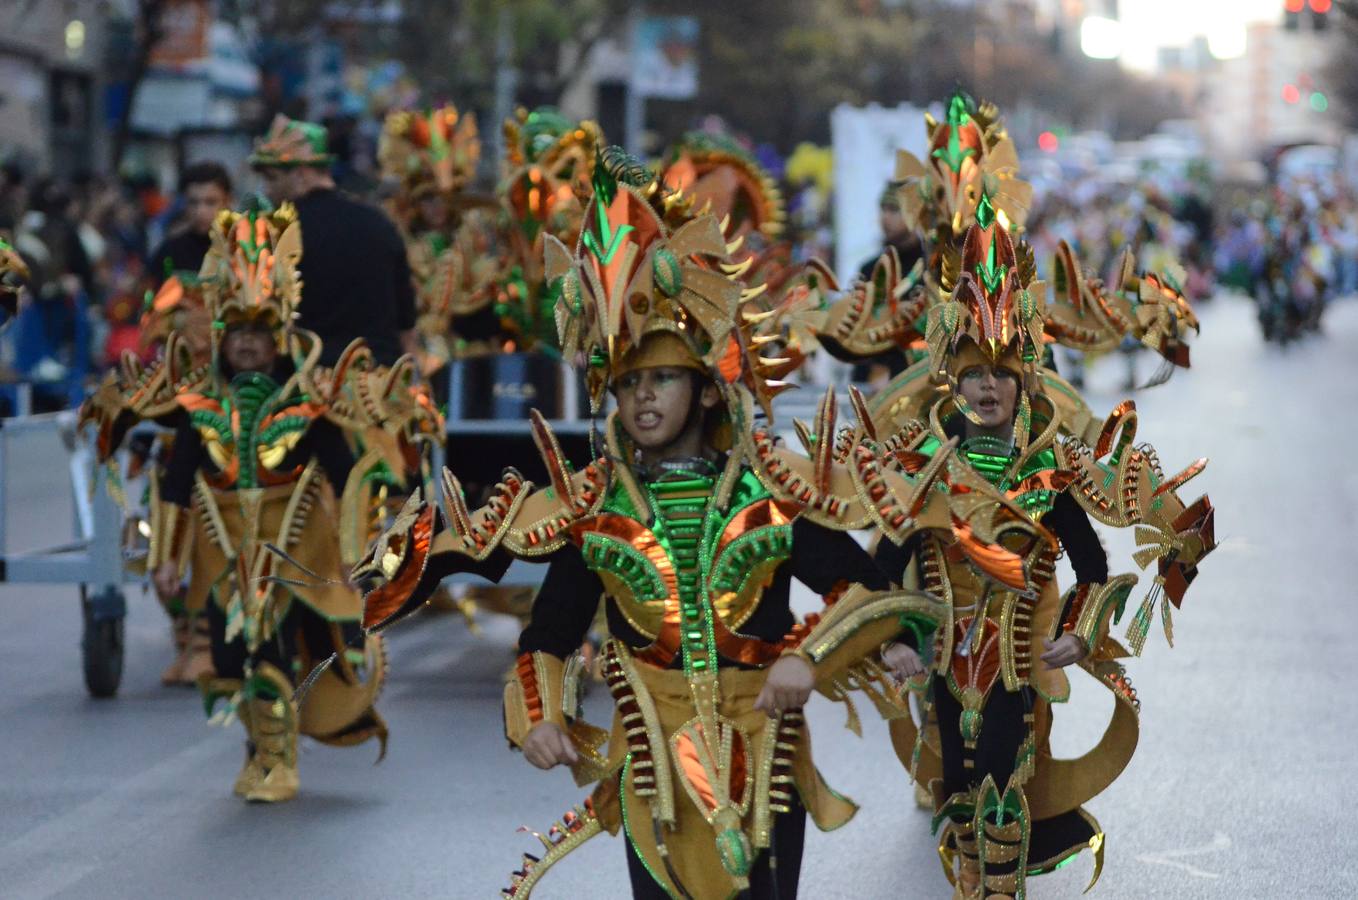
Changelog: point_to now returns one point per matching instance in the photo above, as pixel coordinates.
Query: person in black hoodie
(355, 274)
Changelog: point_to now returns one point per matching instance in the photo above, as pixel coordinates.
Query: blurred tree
(448, 46)
(774, 69)
(1342, 70)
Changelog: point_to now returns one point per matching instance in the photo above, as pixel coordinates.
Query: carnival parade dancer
(258, 502)
(1007, 807)
(691, 524)
(450, 234)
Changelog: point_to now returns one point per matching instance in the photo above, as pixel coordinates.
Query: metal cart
(92, 558)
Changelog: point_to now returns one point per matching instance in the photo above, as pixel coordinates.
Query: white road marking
(1220, 841)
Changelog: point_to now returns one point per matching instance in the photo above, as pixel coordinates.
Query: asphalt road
(1241, 785)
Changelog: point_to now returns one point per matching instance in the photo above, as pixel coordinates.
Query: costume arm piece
(1123, 485)
(135, 392)
(882, 313)
(1088, 315)
(546, 686)
(535, 694)
(841, 643)
(518, 521)
(171, 526)
(1091, 608)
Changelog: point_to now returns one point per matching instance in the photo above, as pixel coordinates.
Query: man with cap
(355, 273)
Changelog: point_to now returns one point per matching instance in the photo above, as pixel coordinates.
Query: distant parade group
(289, 421)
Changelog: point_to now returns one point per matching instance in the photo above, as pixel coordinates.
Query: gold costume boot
(251, 773)
(957, 848)
(1002, 827)
(272, 723)
(198, 652)
(214, 689)
(179, 632)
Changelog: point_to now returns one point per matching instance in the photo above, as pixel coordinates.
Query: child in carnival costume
(970, 156)
(449, 233)
(691, 525)
(249, 503)
(1006, 807)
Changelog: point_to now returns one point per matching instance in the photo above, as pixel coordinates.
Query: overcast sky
(1151, 24)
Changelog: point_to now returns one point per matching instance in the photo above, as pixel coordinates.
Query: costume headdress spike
(640, 269)
(250, 271)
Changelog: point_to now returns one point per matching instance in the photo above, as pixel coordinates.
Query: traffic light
(1292, 14)
(1313, 14)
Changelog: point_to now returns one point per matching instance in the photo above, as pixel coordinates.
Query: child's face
(991, 392)
(250, 348)
(654, 405)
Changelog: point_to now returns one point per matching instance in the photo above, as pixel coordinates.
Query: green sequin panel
(620, 559)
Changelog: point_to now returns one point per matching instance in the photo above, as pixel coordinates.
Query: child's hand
(788, 686)
(165, 580)
(548, 745)
(1063, 651)
(903, 662)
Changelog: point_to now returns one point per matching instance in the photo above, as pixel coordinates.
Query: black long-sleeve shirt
(355, 276)
(569, 598)
(323, 440)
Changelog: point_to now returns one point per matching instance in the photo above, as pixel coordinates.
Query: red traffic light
(1047, 142)
(1291, 94)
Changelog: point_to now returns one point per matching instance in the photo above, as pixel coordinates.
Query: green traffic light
(1319, 102)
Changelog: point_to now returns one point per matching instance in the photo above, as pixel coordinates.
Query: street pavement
(1241, 786)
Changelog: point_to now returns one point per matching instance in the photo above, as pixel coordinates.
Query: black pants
(766, 883)
(1003, 732)
(301, 631)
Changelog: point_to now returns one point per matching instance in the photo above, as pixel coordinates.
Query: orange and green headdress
(646, 286)
(434, 152)
(547, 165)
(292, 142)
(250, 272)
(994, 314)
(969, 155)
(725, 180)
(13, 275)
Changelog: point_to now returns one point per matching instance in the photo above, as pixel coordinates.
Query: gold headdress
(969, 155)
(548, 160)
(250, 272)
(430, 152)
(178, 308)
(634, 275)
(723, 179)
(993, 314)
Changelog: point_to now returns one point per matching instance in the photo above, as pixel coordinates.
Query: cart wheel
(101, 645)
